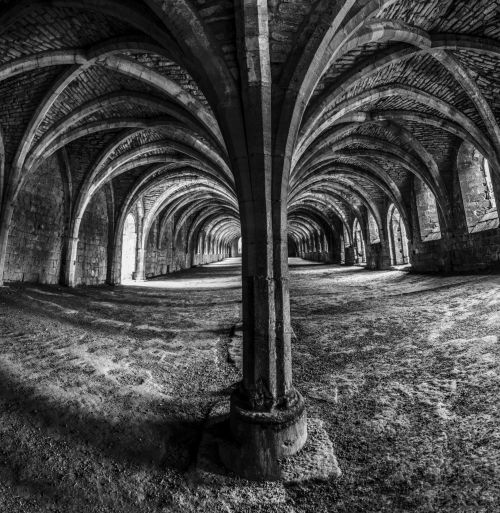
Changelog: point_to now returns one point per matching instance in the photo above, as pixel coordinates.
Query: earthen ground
(104, 392)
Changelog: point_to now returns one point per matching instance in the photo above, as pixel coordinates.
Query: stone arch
(398, 239)
(359, 243)
(129, 247)
(478, 197)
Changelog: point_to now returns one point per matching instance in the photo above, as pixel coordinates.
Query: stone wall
(36, 232)
(474, 243)
(476, 190)
(427, 212)
(92, 257)
(458, 250)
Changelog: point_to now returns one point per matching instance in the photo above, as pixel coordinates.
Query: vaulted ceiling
(389, 89)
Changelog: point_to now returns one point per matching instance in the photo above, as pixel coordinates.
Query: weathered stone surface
(315, 461)
(36, 232)
(91, 262)
(342, 132)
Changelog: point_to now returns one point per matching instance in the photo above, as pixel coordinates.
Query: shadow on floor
(170, 443)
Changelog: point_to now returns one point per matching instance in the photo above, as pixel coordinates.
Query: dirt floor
(104, 392)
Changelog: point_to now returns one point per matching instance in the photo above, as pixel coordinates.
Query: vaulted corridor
(253, 238)
(104, 392)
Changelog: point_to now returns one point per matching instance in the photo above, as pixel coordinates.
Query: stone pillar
(349, 255)
(332, 248)
(267, 419)
(324, 244)
(140, 264)
(385, 254)
(201, 242)
(202, 245)
(319, 246)
(140, 271)
(376, 252)
(206, 244)
(71, 254)
(384, 261)
(6, 213)
(110, 264)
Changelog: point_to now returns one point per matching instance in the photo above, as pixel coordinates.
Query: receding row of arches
(318, 238)
(474, 177)
(397, 238)
(163, 250)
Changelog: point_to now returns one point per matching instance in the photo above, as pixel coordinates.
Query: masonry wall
(479, 249)
(477, 190)
(36, 233)
(427, 254)
(92, 257)
(458, 250)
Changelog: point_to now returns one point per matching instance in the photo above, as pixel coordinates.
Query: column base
(259, 440)
(316, 460)
(138, 277)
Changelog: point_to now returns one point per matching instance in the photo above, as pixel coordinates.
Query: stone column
(71, 254)
(349, 255)
(6, 213)
(201, 244)
(234, 248)
(140, 271)
(385, 248)
(206, 245)
(267, 420)
(332, 247)
(110, 264)
(319, 246)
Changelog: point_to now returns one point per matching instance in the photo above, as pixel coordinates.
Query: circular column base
(261, 439)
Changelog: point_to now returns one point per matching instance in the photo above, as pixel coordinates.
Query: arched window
(240, 246)
(427, 212)
(129, 243)
(398, 240)
(373, 229)
(477, 190)
(359, 244)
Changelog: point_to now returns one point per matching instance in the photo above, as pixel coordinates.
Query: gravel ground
(104, 392)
